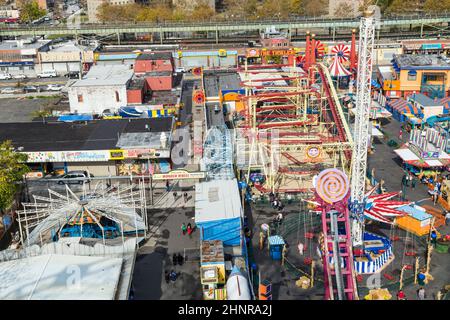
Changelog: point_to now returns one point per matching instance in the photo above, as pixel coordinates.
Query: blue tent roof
(75, 117)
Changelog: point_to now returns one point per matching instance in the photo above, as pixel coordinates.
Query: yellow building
(409, 74)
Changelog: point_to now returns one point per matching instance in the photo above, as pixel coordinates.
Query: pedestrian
(401, 295)
(183, 228)
(271, 197)
(189, 228)
(421, 293)
(185, 195)
(174, 259)
(166, 276)
(400, 134)
(167, 185)
(175, 195)
(447, 218)
(262, 239)
(279, 218)
(180, 259)
(413, 183)
(300, 248)
(421, 278)
(433, 238)
(173, 276)
(404, 180)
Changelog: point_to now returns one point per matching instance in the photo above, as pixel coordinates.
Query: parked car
(180, 70)
(19, 76)
(74, 177)
(47, 74)
(5, 76)
(9, 90)
(54, 87)
(27, 89)
(216, 108)
(72, 75)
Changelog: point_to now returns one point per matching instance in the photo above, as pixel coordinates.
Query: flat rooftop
(45, 278)
(214, 82)
(100, 75)
(422, 61)
(163, 55)
(20, 45)
(424, 100)
(217, 200)
(92, 135)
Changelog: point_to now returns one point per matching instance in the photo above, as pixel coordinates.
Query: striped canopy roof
(337, 69)
(402, 106)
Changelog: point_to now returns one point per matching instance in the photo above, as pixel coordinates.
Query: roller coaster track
(335, 107)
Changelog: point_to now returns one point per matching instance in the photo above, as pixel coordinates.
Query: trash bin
(276, 244)
(442, 246)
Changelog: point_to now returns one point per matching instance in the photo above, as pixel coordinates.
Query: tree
(403, 6)
(202, 11)
(434, 6)
(12, 169)
(344, 10)
(30, 11)
(297, 7)
(316, 7)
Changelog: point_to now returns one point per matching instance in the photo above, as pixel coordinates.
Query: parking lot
(22, 109)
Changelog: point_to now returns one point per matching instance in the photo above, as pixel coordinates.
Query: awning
(434, 163)
(412, 72)
(406, 155)
(376, 132)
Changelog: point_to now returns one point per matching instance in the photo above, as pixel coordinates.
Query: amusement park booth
(218, 212)
(424, 151)
(427, 106)
(418, 221)
(212, 270)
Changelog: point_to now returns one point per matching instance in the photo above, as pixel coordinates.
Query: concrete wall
(63, 56)
(96, 99)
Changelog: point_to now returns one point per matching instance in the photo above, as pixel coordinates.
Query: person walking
(180, 259)
(185, 196)
(262, 239)
(421, 293)
(300, 248)
(183, 228)
(447, 218)
(401, 295)
(167, 185)
(433, 238)
(413, 183)
(174, 259)
(189, 228)
(166, 276)
(174, 195)
(400, 134)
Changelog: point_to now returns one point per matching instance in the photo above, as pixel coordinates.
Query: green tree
(404, 6)
(316, 7)
(297, 7)
(434, 6)
(29, 11)
(12, 169)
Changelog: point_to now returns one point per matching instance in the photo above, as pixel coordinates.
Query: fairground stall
(423, 154)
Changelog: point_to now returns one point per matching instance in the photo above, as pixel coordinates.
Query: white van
(47, 74)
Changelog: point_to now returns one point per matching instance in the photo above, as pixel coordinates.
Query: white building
(104, 87)
(66, 57)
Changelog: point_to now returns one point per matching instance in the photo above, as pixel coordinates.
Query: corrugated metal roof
(106, 75)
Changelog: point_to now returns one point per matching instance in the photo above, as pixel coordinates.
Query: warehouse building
(104, 87)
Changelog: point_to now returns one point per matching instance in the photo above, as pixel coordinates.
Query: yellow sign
(179, 175)
(277, 52)
(222, 53)
(116, 155)
(111, 117)
(313, 153)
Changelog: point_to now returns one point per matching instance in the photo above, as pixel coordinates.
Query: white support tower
(362, 123)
